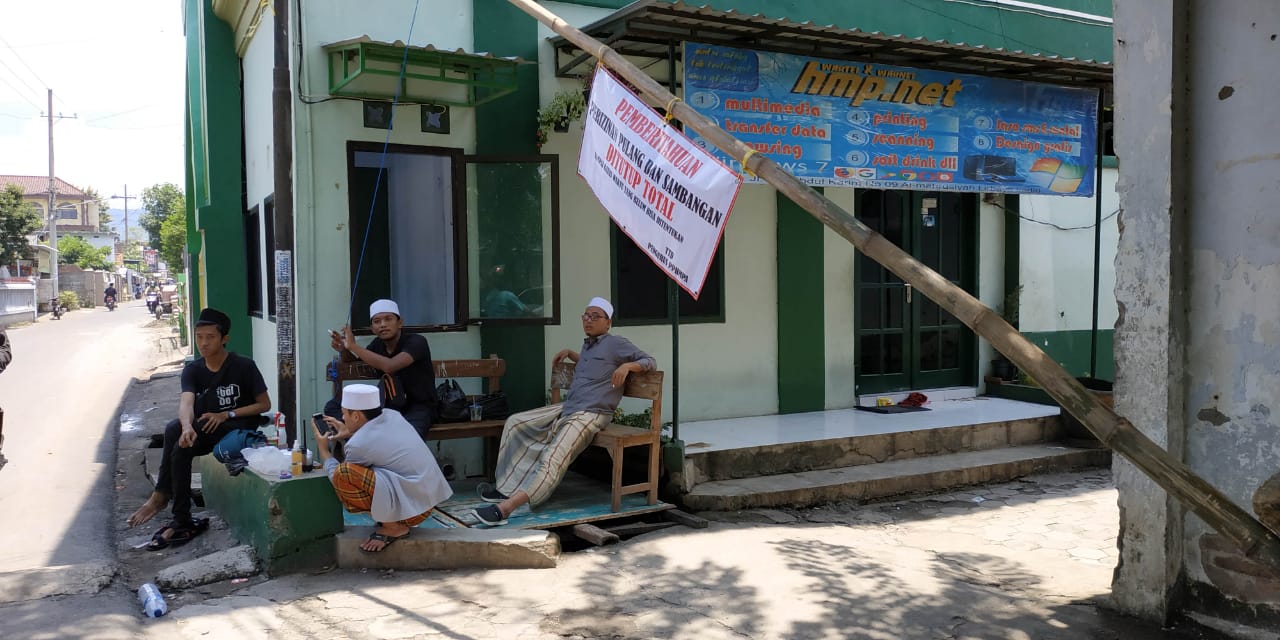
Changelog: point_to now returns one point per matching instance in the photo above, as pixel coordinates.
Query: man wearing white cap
(538, 445)
(388, 472)
(406, 357)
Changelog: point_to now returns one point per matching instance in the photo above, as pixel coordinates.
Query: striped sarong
(354, 485)
(537, 447)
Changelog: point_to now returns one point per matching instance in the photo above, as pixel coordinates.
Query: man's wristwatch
(231, 413)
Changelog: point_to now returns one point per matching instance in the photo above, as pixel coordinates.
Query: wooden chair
(616, 438)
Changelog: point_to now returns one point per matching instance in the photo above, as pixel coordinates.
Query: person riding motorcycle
(109, 295)
(153, 299)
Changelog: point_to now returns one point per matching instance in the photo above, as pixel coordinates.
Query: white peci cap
(603, 305)
(383, 306)
(361, 396)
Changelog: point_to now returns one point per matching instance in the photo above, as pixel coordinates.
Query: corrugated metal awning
(649, 32)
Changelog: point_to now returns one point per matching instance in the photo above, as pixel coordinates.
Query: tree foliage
(104, 208)
(173, 237)
(17, 219)
(76, 250)
(160, 201)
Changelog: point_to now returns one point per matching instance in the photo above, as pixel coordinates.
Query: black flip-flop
(385, 539)
(181, 534)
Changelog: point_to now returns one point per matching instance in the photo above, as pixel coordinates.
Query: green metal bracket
(369, 70)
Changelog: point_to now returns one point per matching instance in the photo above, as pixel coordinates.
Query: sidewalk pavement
(1026, 559)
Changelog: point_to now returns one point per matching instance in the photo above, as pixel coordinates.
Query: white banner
(670, 196)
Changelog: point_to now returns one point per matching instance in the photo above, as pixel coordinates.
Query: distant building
(77, 214)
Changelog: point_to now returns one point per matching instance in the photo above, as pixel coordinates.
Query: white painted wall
(1056, 266)
(322, 131)
(990, 275)
(839, 283)
(256, 93)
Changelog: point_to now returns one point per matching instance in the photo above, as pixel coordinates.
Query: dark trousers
(418, 415)
(175, 464)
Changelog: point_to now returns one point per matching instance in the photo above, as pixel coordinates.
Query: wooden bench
(616, 438)
(491, 368)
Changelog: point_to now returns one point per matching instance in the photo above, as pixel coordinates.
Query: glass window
(269, 243)
(253, 259)
(68, 212)
(453, 239)
(513, 239)
(640, 293)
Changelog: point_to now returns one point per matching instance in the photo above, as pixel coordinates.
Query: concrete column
(1150, 284)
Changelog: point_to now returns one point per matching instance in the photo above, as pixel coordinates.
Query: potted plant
(564, 107)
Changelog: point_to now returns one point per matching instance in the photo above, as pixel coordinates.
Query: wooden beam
(686, 519)
(595, 535)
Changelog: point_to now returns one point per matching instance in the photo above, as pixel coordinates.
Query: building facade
(469, 204)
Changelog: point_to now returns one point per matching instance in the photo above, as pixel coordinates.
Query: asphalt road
(61, 398)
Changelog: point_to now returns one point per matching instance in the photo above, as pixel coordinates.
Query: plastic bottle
(298, 457)
(282, 434)
(153, 604)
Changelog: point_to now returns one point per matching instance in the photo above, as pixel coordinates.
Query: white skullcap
(361, 396)
(603, 305)
(383, 306)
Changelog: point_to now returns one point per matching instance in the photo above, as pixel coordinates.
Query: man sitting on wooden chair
(538, 445)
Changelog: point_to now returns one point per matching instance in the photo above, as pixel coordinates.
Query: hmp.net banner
(842, 123)
(666, 193)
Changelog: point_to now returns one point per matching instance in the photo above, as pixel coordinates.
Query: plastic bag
(267, 461)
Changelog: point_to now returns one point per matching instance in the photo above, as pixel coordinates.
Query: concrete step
(873, 481)
(453, 549)
(835, 453)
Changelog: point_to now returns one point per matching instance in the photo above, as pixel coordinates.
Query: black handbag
(392, 391)
(493, 406)
(451, 402)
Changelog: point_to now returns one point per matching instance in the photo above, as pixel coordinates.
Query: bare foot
(392, 530)
(149, 509)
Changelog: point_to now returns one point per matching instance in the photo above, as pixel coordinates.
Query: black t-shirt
(419, 378)
(239, 386)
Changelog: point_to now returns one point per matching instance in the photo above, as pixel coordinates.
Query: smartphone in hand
(323, 427)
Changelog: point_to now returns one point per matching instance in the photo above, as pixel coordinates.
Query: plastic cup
(477, 413)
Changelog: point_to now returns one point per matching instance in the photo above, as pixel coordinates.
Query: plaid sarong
(537, 447)
(354, 485)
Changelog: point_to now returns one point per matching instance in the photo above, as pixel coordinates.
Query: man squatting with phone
(387, 471)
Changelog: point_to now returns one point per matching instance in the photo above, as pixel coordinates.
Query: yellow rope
(745, 159)
(671, 105)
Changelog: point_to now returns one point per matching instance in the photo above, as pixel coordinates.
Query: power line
(19, 94)
(33, 71)
(120, 113)
(19, 78)
(1038, 48)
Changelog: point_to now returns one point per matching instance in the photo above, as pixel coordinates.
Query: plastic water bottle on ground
(153, 604)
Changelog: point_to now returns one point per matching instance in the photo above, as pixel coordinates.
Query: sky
(119, 67)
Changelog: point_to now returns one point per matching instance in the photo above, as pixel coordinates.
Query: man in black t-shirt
(405, 356)
(221, 392)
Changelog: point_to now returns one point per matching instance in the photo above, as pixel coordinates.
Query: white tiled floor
(738, 433)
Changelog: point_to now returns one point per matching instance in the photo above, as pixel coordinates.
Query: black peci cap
(211, 316)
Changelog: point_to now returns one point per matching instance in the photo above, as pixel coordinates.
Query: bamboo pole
(1255, 540)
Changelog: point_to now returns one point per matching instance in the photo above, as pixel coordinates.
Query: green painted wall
(1071, 350)
(215, 178)
(951, 21)
(801, 333)
(290, 523)
(507, 127)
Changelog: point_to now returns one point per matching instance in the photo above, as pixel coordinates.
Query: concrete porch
(810, 458)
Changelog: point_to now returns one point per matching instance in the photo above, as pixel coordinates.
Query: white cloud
(119, 67)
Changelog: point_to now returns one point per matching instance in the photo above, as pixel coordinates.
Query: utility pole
(53, 216)
(126, 197)
(53, 195)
